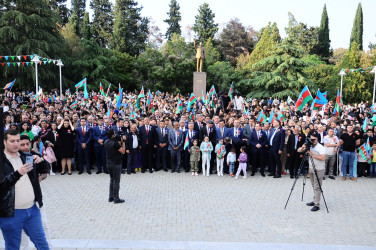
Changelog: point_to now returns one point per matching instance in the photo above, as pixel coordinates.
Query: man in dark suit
(276, 144)
(258, 141)
(192, 134)
(132, 147)
(175, 145)
(295, 141)
(221, 131)
(321, 134)
(147, 139)
(248, 129)
(162, 146)
(236, 135)
(199, 123)
(119, 126)
(83, 138)
(210, 132)
(99, 135)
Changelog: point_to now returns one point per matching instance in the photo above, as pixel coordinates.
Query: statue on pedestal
(200, 55)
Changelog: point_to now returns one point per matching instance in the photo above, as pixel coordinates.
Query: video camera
(119, 135)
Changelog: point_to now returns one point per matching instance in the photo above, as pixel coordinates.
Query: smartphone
(30, 160)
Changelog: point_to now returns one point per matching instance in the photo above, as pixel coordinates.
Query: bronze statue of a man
(200, 55)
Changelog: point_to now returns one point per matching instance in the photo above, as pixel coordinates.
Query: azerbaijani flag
(281, 117)
(54, 98)
(73, 105)
(231, 90)
(261, 117)
(158, 93)
(304, 97)
(365, 124)
(9, 85)
(191, 101)
(373, 109)
(337, 107)
(119, 98)
(80, 84)
(67, 92)
(86, 95)
(149, 101)
(141, 95)
(289, 100)
(364, 153)
(271, 117)
(133, 115)
(192, 116)
(220, 151)
(212, 91)
(108, 90)
(180, 107)
(319, 101)
(101, 89)
(186, 142)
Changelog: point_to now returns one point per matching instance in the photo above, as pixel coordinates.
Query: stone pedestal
(199, 83)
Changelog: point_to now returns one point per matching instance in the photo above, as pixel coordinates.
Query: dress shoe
(80, 172)
(150, 171)
(106, 172)
(178, 171)
(343, 178)
(62, 173)
(314, 209)
(352, 178)
(165, 169)
(262, 174)
(331, 177)
(128, 172)
(291, 177)
(99, 172)
(276, 176)
(89, 172)
(172, 171)
(186, 171)
(143, 171)
(133, 172)
(123, 171)
(110, 199)
(69, 173)
(253, 174)
(310, 204)
(270, 174)
(119, 201)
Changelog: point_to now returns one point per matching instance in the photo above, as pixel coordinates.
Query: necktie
(176, 138)
(55, 135)
(83, 131)
(258, 135)
(162, 132)
(221, 132)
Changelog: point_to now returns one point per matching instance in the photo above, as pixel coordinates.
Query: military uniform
(194, 157)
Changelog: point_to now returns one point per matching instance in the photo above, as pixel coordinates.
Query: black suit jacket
(212, 135)
(149, 137)
(291, 143)
(129, 141)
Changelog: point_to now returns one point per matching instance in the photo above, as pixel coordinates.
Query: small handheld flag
(80, 84)
(9, 85)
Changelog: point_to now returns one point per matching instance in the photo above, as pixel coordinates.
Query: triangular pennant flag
(27, 63)
(12, 58)
(25, 57)
(31, 57)
(19, 57)
(23, 64)
(14, 64)
(2, 64)
(6, 58)
(18, 64)
(44, 62)
(8, 64)
(40, 63)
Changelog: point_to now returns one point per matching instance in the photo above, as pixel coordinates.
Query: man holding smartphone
(20, 190)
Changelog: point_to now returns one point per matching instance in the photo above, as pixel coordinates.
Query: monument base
(199, 83)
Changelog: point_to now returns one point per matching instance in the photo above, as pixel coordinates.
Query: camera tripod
(305, 179)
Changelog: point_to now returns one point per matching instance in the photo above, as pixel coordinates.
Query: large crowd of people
(170, 133)
(73, 138)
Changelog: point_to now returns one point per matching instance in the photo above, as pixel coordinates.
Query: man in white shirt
(331, 145)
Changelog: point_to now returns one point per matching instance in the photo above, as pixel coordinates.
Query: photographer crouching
(316, 151)
(115, 148)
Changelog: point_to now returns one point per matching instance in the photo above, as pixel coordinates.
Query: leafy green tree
(211, 53)
(86, 26)
(28, 27)
(130, 31)
(278, 75)
(221, 75)
(204, 25)
(101, 27)
(234, 41)
(269, 39)
(60, 8)
(174, 17)
(324, 42)
(357, 30)
(79, 7)
(73, 23)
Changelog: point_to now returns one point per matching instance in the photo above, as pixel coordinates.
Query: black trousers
(258, 162)
(147, 158)
(115, 173)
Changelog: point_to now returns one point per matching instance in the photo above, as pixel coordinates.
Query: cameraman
(115, 149)
(317, 152)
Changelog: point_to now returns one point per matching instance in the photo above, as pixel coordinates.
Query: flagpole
(36, 61)
(373, 71)
(342, 74)
(60, 64)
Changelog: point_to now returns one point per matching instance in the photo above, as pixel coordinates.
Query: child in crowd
(228, 147)
(220, 151)
(242, 162)
(206, 148)
(36, 144)
(231, 159)
(194, 157)
(49, 155)
(372, 169)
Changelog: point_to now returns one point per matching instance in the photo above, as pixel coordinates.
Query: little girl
(49, 155)
(194, 157)
(206, 148)
(220, 151)
(231, 159)
(242, 163)
(372, 169)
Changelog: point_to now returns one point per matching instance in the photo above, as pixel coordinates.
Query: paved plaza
(180, 211)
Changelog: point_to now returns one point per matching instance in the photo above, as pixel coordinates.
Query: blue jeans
(348, 158)
(27, 219)
(372, 169)
(232, 167)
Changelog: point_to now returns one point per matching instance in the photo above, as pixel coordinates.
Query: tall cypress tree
(357, 30)
(60, 8)
(324, 41)
(28, 27)
(101, 27)
(204, 25)
(86, 24)
(174, 17)
(79, 7)
(130, 29)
